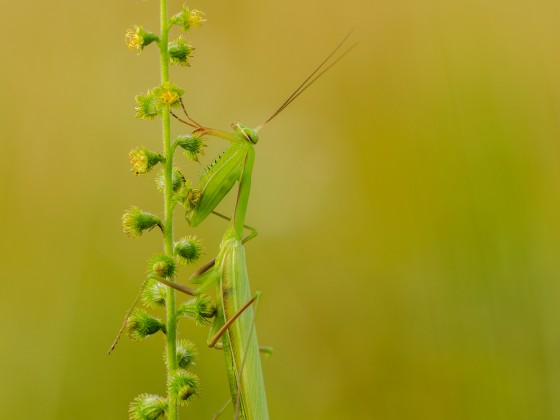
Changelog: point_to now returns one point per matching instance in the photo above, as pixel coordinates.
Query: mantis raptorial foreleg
(191, 123)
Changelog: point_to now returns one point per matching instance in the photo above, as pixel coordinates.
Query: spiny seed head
(181, 195)
(140, 325)
(177, 180)
(180, 52)
(148, 407)
(192, 144)
(162, 265)
(147, 107)
(135, 221)
(185, 385)
(186, 354)
(154, 294)
(200, 309)
(187, 19)
(143, 160)
(137, 38)
(188, 249)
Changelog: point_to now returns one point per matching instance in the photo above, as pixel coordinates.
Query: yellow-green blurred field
(408, 206)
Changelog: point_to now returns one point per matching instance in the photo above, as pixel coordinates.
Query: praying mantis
(233, 329)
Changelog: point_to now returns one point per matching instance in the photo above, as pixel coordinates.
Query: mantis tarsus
(234, 320)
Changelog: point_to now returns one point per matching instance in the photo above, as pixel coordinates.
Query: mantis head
(249, 134)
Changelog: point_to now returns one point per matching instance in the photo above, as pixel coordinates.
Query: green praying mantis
(233, 329)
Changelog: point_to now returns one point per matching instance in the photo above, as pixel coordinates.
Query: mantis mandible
(235, 315)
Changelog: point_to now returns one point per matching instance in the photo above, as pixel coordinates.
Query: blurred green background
(408, 205)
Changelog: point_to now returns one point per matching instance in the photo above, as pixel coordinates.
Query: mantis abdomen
(240, 342)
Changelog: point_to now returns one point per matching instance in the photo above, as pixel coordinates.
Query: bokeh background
(408, 205)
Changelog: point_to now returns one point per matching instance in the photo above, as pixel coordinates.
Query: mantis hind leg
(221, 410)
(230, 321)
(128, 313)
(220, 328)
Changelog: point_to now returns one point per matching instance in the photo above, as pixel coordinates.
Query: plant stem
(171, 335)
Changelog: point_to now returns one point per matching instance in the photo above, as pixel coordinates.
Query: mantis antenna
(312, 78)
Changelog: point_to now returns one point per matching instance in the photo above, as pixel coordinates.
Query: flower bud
(200, 309)
(137, 38)
(182, 195)
(192, 144)
(140, 325)
(185, 385)
(148, 407)
(162, 266)
(143, 160)
(188, 249)
(180, 52)
(135, 221)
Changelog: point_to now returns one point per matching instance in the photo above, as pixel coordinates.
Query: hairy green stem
(171, 335)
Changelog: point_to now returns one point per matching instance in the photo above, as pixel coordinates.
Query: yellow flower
(133, 41)
(143, 160)
(137, 38)
(169, 97)
(195, 18)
